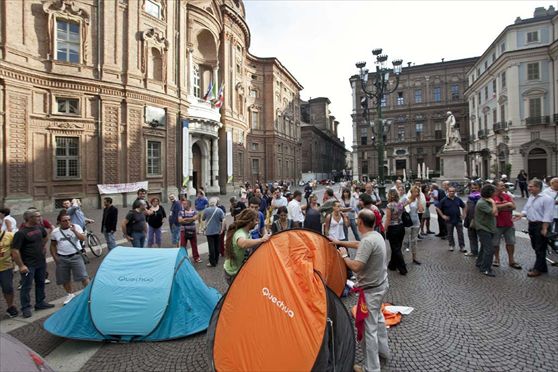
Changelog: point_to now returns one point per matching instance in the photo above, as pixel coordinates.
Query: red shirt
(504, 217)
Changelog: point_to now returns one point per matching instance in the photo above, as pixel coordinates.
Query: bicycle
(93, 241)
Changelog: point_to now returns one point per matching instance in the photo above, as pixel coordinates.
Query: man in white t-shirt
(295, 210)
(66, 252)
(277, 202)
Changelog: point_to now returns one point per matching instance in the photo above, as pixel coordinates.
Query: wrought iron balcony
(537, 120)
(500, 127)
(482, 134)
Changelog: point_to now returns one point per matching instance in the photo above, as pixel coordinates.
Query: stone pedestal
(452, 163)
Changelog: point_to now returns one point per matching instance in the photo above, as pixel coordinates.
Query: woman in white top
(8, 222)
(335, 222)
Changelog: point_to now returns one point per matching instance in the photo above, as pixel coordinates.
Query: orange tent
(280, 315)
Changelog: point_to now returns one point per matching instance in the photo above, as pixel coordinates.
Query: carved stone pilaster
(110, 144)
(17, 144)
(135, 144)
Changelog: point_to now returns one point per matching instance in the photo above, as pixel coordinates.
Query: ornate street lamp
(376, 92)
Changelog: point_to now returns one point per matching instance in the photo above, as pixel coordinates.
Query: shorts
(507, 232)
(6, 281)
(67, 266)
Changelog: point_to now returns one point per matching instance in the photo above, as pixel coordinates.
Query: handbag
(78, 251)
(406, 219)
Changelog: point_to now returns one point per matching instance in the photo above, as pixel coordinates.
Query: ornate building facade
(110, 92)
(323, 153)
(513, 100)
(414, 119)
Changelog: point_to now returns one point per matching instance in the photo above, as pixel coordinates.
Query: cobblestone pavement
(463, 321)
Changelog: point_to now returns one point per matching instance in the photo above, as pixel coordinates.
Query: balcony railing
(482, 134)
(537, 120)
(500, 127)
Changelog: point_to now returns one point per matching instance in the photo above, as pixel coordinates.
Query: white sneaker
(69, 298)
(47, 281)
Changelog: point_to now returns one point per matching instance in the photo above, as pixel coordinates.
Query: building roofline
(278, 63)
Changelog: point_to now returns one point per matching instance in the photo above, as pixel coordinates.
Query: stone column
(190, 72)
(216, 77)
(214, 165)
(189, 159)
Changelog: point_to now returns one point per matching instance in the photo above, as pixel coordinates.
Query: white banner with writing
(118, 188)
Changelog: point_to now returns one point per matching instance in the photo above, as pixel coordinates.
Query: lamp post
(379, 88)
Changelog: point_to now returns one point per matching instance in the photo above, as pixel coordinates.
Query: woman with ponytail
(238, 240)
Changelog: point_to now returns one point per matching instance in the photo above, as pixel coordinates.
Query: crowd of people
(404, 219)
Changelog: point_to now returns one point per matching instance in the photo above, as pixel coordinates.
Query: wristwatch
(345, 256)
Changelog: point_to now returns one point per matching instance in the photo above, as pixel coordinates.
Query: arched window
(156, 65)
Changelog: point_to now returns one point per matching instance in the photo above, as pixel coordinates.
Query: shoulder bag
(78, 251)
(203, 224)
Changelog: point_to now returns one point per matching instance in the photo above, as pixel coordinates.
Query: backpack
(130, 223)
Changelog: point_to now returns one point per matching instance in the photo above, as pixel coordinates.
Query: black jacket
(110, 219)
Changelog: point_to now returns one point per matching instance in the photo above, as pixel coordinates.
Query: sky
(319, 42)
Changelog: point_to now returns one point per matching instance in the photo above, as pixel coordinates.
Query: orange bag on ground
(391, 319)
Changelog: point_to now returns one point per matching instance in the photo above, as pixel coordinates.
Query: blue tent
(140, 295)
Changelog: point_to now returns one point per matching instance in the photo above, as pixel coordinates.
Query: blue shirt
(450, 207)
(201, 203)
(256, 232)
(175, 210)
(213, 224)
(76, 216)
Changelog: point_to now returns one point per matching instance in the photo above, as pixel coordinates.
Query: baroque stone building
(513, 100)
(323, 153)
(414, 115)
(110, 92)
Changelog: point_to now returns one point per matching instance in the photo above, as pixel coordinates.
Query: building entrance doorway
(536, 163)
(196, 166)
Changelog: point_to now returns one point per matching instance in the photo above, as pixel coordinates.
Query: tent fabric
(278, 313)
(141, 295)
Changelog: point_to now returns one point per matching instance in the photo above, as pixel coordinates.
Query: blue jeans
(111, 242)
(354, 228)
(38, 274)
(175, 234)
(138, 239)
(484, 259)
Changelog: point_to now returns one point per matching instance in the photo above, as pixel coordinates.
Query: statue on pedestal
(453, 138)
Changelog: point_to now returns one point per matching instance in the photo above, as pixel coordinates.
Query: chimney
(335, 125)
(539, 12)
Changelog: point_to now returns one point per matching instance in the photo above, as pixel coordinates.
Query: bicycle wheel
(94, 244)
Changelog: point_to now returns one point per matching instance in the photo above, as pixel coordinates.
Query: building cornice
(275, 61)
(228, 11)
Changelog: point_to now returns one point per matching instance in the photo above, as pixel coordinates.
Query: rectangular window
(438, 130)
(494, 86)
(383, 103)
(152, 8)
(535, 107)
(419, 128)
(400, 99)
(486, 93)
(533, 71)
(401, 134)
(67, 106)
(480, 96)
(255, 166)
(535, 135)
(503, 114)
(363, 136)
(255, 120)
(253, 93)
(420, 150)
(67, 157)
(485, 65)
(494, 116)
(153, 158)
(67, 41)
(533, 36)
(503, 79)
(418, 96)
(255, 146)
(364, 166)
(473, 101)
(493, 57)
(478, 72)
(197, 81)
(437, 94)
(455, 92)
(502, 47)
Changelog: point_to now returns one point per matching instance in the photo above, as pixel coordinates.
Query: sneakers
(47, 281)
(12, 311)
(451, 249)
(469, 254)
(198, 260)
(462, 250)
(489, 273)
(69, 298)
(43, 306)
(26, 313)
(19, 286)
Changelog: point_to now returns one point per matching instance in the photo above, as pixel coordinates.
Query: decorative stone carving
(66, 9)
(110, 165)
(134, 144)
(17, 161)
(64, 125)
(153, 38)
